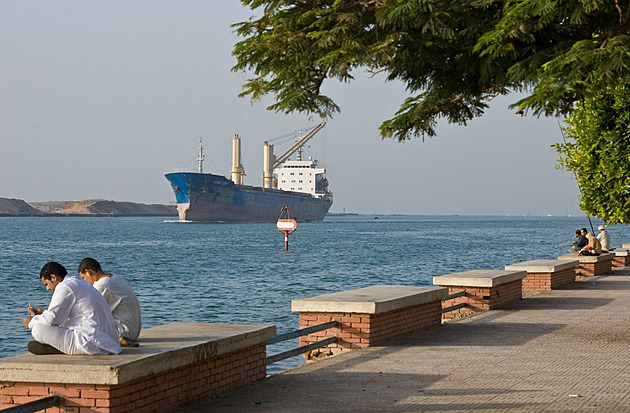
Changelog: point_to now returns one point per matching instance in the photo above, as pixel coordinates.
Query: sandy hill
(17, 207)
(96, 207)
(113, 208)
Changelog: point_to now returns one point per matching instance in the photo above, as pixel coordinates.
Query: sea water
(240, 272)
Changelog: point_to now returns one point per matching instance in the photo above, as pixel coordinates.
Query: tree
(453, 56)
(598, 153)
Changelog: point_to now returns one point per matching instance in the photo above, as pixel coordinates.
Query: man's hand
(26, 321)
(37, 310)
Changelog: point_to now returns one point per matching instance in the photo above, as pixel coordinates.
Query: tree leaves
(453, 56)
(598, 153)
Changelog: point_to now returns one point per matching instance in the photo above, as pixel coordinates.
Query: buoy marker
(286, 225)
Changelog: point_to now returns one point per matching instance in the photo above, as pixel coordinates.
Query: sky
(98, 100)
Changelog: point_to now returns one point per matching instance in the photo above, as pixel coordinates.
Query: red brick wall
(540, 281)
(362, 330)
(586, 270)
(479, 299)
(621, 261)
(157, 393)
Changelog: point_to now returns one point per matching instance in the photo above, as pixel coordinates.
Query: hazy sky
(101, 99)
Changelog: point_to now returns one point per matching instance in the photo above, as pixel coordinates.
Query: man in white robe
(120, 296)
(77, 321)
(603, 237)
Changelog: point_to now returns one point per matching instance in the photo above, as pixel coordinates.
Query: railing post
(35, 405)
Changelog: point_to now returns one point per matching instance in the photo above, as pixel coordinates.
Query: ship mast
(200, 157)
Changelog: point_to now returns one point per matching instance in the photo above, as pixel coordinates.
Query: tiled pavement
(566, 350)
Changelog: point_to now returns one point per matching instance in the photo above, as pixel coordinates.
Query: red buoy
(286, 225)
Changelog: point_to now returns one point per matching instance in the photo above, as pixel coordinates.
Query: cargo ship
(298, 184)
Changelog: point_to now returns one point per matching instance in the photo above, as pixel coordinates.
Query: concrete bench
(368, 315)
(622, 257)
(484, 290)
(545, 275)
(591, 265)
(175, 364)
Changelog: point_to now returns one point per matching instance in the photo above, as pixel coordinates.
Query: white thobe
(604, 238)
(77, 321)
(123, 303)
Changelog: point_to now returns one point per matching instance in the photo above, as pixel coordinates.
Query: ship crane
(270, 161)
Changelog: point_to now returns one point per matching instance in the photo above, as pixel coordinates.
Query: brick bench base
(155, 393)
(175, 364)
(484, 290)
(588, 270)
(623, 261)
(369, 315)
(362, 330)
(591, 265)
(544, 281)
(622, 257)
(478, 299)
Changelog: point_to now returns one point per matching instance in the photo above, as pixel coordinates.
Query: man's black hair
(88, 263)
(53, 268)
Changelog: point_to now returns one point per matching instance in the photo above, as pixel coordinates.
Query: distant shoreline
(11, 207)
(87, 208)
(341, 214)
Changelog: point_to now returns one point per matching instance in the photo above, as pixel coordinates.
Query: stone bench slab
(543, 266)
(479, 278)
(375, 299)
(589, 259)
(162, 348)
(622, 252)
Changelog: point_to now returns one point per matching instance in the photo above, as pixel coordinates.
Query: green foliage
(453, 56)
(598, 153)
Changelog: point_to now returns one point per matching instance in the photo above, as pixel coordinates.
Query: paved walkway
(563, 350)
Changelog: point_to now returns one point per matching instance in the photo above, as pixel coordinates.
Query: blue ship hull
(209, 197)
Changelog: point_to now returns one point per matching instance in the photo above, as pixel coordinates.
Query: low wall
(484, 290)
(622, 257)
(368, 316)
(545, 275)
(591, 265)
(175, 364)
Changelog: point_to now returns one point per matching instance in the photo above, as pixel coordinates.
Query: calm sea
(240, 273)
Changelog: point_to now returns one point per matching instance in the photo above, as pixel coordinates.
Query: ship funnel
(237, 168)
(267, 166)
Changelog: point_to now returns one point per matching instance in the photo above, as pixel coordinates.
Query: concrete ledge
(368, 316)
(162, 348)
(479, 278)
(622, 257)
(546, 274)
(589, 259)
(375, 299)
(591, 265)
(546, 266)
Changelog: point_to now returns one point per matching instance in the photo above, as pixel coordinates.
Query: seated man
(119, 295)
(77, 321)
(594, 247)
(581, 240)
(603, 238)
